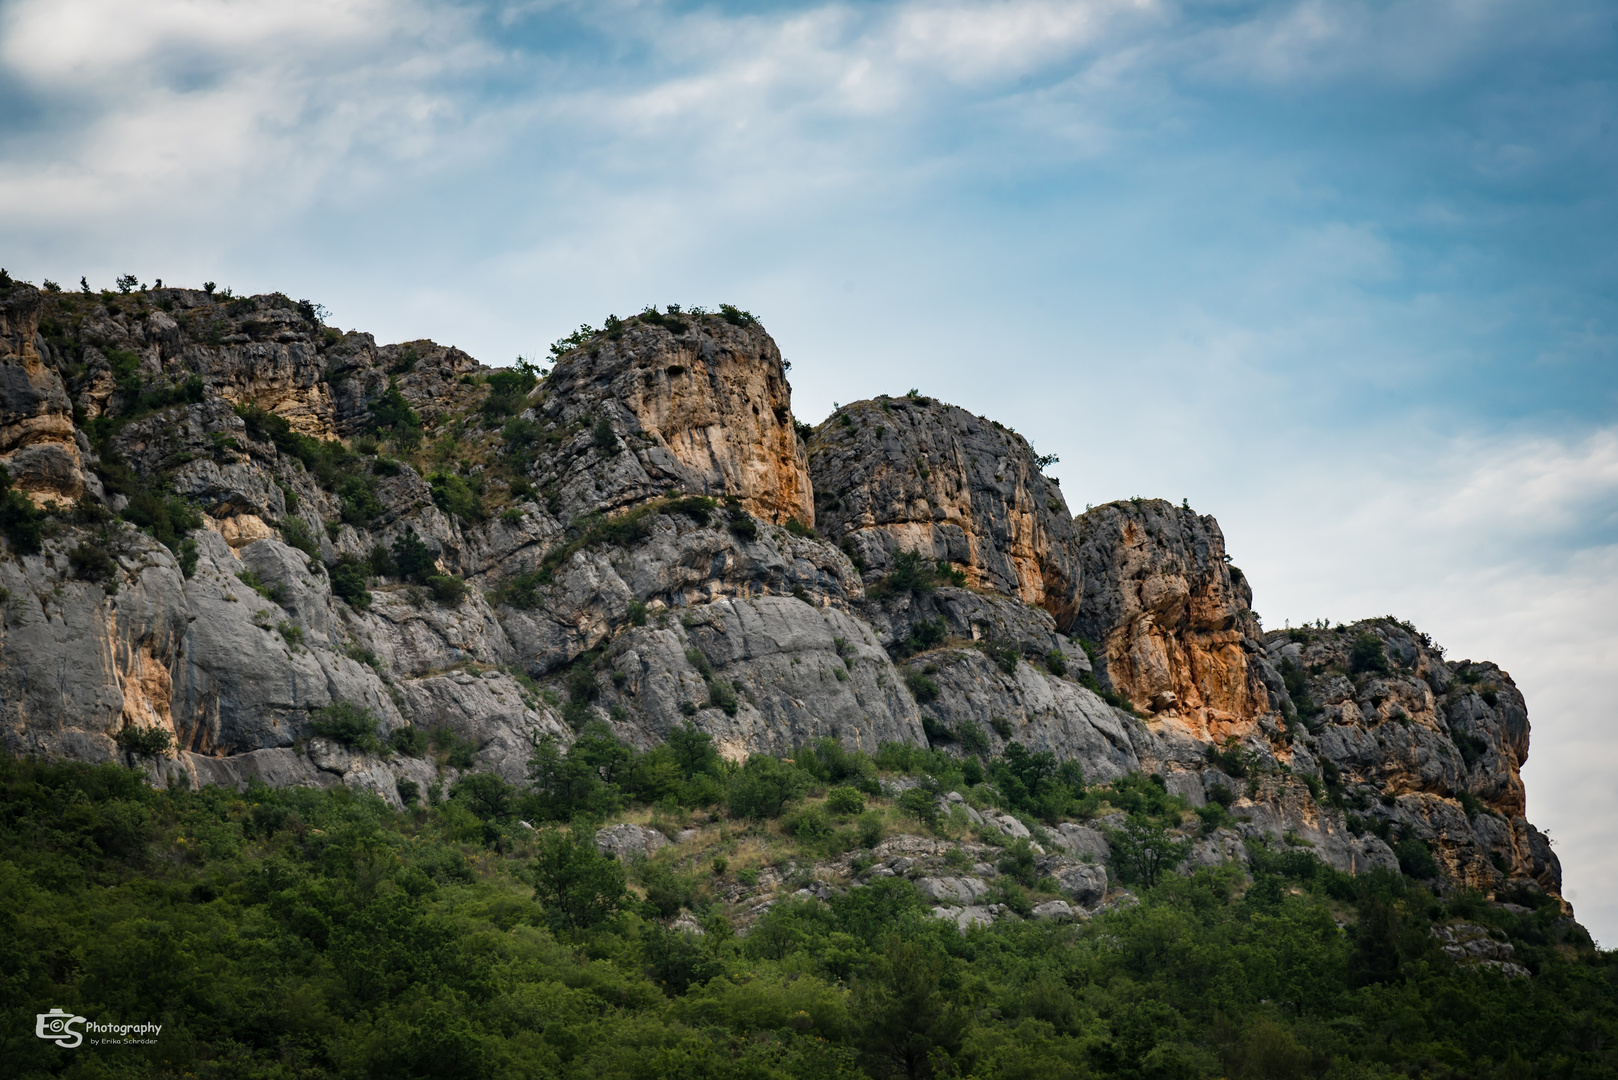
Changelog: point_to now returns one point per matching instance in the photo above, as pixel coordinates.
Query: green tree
(1143, 850)
(1368, 654)
(763, 787)
(907, 1026)
(392, 414)
(486, 795)
(411, 558)
(20, 522)
(578, 886)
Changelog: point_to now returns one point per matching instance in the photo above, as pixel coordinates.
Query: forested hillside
(303, 933)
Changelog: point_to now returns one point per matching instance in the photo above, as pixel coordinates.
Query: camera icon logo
(57, 1026)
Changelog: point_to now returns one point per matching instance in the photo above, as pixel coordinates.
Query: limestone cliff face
(1170, 617)
(592, 578)
(692, 404)
(913, 474)
(37, 446)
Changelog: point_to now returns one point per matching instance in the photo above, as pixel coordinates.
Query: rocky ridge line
(633, 538)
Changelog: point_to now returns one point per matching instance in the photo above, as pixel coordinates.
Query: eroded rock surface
(1170, 616)
(37, 444)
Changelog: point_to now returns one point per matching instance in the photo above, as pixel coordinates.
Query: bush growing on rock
(349, 581)
(20, 522)
(447, 589)
(412, 561)
(295, 533)
(1368, 654)
(410, 741)
(91, 563)
(348, 725)
(147, 742)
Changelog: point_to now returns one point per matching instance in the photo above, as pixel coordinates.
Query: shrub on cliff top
(1368, 654)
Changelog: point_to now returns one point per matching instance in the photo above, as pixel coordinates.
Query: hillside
(395, 631)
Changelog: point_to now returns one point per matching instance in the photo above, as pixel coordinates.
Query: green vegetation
(1368, 654)
(347, 724)
(915, 574)
(20, 522)
(300, 933)
(392, 415)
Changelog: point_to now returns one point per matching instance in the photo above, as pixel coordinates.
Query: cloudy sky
(1341, 273)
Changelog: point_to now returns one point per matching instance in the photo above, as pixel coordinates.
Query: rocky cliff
(1170, 618)
(257, 529)
(912, 474)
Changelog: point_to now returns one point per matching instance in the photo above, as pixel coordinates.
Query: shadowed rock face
(37, 447)
(644, 411)
(1169, 616)
(913, 474)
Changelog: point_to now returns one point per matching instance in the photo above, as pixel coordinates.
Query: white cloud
(190, 108)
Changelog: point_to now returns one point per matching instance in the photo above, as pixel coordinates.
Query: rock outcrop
(1171, 619)
(912, 474)
(277, 522)
(37, 444)
(1414, 746)
(691, 404)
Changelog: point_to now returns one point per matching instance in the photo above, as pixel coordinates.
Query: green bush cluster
(915, 574)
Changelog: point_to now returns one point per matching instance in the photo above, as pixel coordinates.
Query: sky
(1340, 273)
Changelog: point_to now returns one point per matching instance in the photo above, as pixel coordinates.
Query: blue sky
(1342, 274)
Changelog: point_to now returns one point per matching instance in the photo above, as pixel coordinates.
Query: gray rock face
(794, 672)
(977, 616)
(1033, 707)
(953, 891)
(1424, 748)
(1082, 840)
(626, 841)
(913, 474)
(37, 447)
(77, 663)
(1084, 882)
(679, 565)
(968, 917)
(1471, 946)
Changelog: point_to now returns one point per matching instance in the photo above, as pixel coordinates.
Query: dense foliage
(300, 933)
